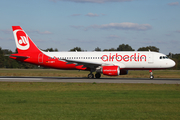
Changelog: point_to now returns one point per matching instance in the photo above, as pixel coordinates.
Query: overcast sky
(65, 24)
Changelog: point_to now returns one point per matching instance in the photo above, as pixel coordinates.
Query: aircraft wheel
(90, 76)
(98, 75)
(151, 77)
(151, 74)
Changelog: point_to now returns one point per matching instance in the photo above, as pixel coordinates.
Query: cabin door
(40, 57)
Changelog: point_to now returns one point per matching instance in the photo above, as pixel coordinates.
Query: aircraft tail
(23, 42)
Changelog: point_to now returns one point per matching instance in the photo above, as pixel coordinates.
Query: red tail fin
(23, 42)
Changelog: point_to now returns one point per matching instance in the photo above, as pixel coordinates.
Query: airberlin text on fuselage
(135, 57)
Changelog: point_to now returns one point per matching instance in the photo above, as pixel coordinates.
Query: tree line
(6, 62)
(122, 47)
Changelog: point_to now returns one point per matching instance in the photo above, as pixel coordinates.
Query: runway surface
(85, 80)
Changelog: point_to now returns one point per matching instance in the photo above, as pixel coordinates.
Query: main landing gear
(98, 75)
(151, 74)
(91, 75)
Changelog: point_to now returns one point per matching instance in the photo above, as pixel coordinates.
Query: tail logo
(22, 40)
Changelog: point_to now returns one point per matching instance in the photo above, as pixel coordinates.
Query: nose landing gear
(151, 74)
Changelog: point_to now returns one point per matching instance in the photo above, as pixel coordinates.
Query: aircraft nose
(172, 63)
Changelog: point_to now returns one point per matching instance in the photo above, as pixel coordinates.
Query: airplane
(108, 63)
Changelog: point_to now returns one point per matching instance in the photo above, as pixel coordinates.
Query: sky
(65, 24)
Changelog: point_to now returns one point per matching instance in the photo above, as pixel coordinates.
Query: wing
(85, 63)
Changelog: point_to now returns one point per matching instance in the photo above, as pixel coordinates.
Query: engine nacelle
(111, 70)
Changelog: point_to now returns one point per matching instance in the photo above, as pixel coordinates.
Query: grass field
(75, 73)
(89, 101)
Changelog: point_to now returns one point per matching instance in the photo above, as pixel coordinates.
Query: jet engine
(111, 70)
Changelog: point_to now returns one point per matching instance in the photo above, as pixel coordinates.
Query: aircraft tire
(91, 76)
(98, 75)
(151, 77)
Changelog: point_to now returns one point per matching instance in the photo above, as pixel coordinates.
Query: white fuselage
(125, 60)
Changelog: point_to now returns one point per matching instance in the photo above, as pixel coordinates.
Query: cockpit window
(163, 57)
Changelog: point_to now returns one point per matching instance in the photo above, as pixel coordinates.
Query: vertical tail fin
(23, 42)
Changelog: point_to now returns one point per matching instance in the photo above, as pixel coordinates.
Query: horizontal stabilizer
(19, 56)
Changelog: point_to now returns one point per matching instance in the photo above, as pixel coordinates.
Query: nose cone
(172, 63)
